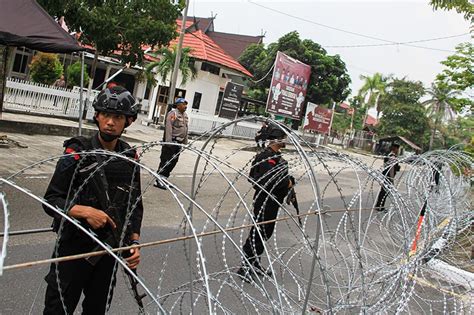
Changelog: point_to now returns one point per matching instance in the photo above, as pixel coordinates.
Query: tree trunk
(377, 109)
(365, 117)
(3, 74)
(433, 131)
(91, 82)
(93, 68)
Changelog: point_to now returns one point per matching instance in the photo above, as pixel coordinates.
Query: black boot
(260, 270)
(244, 273)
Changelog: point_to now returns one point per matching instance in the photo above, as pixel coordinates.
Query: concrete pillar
(153, 102)
(107, 72)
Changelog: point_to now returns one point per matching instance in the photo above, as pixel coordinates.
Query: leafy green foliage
(469, 149)
(458, 131)
(73, 75)
(128, 25)
(358, 105)
(372, 90)
(458, 73)
(164, 67)
(461, 6)
(403, 114)
(441, 107)
(329, 80)
(45, 68)
(341, 123)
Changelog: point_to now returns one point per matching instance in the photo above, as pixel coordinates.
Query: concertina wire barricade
(338, 255)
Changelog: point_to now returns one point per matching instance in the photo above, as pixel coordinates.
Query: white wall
(206, 83)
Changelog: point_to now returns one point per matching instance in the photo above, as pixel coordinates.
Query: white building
(215, 67)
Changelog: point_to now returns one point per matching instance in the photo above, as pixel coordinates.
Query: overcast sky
(388, 21)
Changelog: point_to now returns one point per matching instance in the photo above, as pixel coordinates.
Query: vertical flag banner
(317, 118)
(288, 87)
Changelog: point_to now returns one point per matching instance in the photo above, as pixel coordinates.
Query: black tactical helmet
(116, 100)
(275, 132)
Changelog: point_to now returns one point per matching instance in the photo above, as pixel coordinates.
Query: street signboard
(317, 118)
(231, 100)
(288, 87)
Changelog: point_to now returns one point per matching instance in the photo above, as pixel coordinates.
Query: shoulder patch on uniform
(172, 115)
(70, 150)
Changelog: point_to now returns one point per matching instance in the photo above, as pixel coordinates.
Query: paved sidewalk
(137, 133)
(33, 124)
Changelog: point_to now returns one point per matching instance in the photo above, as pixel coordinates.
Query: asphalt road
(165, 268)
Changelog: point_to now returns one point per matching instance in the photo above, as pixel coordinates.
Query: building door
(197, 101)
(162, 103)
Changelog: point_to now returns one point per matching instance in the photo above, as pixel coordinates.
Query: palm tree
(440, 107)
(374, 87)
(164, 67)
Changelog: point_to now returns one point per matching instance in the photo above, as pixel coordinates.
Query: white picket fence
(35, 98)
(200, 123)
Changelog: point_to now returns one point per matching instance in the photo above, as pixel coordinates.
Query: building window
(219, 100)
(163, 92)
(210, 68)
(20, 63)
(147, 92)
(197, 100)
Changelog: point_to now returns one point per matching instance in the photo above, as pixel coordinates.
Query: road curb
(43, 129)
(29, 128)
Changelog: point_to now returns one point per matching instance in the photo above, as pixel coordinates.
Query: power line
(346, 31)
(400, 43)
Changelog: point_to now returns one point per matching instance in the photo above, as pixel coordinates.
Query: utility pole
(174, 75)
(174, 78)
(81, 95)
(332, 117)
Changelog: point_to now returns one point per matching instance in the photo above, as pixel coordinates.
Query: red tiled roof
(371, 121)
(344, 105)
(204, 48)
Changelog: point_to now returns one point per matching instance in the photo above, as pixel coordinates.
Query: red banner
(288, 87)
(317, 118)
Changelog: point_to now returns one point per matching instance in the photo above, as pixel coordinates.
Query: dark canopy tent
(26, 23)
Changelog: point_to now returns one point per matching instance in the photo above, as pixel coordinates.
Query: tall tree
(372, 90)
(125, 25)
(329, 80)
(403, 114)
(164, 67)
(440, 106)
(461, 130)
(357, 104)
(458, 75)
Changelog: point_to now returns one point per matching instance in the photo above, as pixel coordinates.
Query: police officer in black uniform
(261, 135)
(85, 187)
(270, 171)
(391, 167)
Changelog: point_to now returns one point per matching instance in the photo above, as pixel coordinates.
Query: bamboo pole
(162, 242)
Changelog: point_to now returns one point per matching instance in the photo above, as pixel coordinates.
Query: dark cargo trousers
(265, 209)
(168, 159)
(75, 277)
